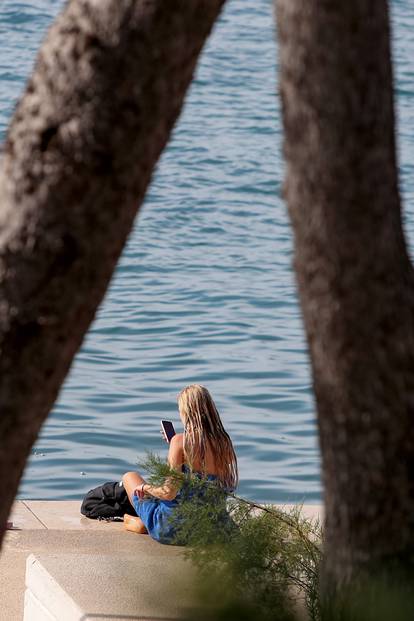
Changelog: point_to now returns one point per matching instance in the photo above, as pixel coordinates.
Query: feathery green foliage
(254, 561)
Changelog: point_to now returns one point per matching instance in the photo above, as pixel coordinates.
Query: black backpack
(107, 502)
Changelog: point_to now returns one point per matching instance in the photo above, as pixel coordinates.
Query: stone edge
(43, 593)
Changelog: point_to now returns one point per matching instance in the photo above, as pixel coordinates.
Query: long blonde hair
(202, 429)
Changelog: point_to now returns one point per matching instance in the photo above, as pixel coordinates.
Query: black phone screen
(168, 428)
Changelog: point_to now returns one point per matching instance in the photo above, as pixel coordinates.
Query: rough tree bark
(354, 275)
(107, 87)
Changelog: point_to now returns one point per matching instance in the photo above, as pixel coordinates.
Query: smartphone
(168, 429)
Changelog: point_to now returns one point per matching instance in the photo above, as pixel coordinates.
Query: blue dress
(158, 515)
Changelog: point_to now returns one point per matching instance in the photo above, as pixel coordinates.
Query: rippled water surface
(204, 291)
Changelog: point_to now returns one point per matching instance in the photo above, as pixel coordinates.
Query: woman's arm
(168, 491)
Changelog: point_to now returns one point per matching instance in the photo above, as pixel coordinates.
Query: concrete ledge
(92, 540)
(54, 515)
(45, 599)
(34, 609)
(76, 587)
(99, 567)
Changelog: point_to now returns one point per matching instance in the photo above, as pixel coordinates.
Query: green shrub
(254, 561)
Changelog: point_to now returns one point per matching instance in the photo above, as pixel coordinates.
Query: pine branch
(283, 517)
(247, 554)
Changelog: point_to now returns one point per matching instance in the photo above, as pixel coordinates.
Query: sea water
(205, 290)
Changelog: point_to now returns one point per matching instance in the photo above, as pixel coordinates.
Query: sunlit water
(205, 290)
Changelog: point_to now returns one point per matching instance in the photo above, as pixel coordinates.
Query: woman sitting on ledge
(204, 449)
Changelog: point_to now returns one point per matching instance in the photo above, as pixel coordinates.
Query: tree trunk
(354, 275)
(107, 87)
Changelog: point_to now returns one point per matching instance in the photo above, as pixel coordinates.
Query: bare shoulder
(176, 451)
(177, 440)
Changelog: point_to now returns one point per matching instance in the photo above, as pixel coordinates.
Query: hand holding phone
(139, 491)
(168, 430)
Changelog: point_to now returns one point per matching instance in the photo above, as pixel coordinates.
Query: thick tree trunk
(106, 90)
(355, 279)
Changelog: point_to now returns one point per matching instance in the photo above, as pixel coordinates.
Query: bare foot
(134, 524)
